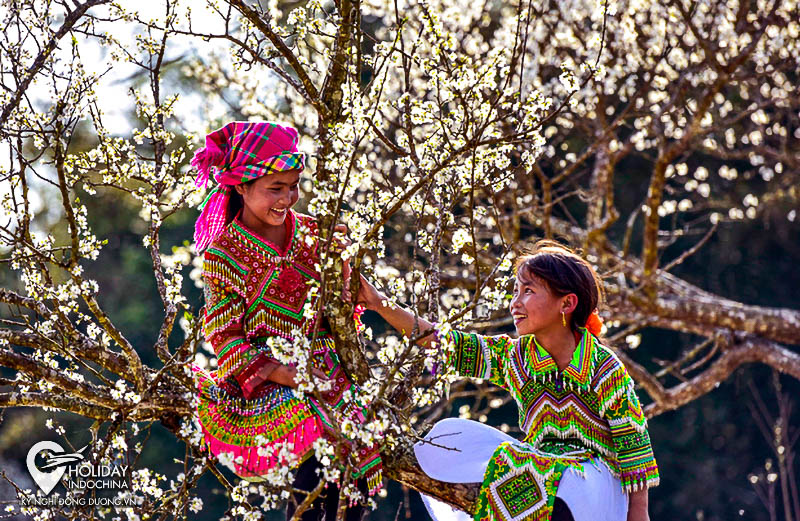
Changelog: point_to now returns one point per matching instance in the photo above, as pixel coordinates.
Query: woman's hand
(637, 506)
(369, 296)
(397, 316)
(287, 375)
(340, 243)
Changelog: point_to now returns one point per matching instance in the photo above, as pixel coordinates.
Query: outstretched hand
(340, 243)
(397, 316)
(368, 296)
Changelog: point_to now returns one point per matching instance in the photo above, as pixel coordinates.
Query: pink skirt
(253, 436)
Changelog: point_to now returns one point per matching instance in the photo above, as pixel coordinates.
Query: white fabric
(595, 496)
(458, 451)
(441, 511)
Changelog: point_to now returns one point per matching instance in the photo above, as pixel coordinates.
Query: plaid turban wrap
(237, 153)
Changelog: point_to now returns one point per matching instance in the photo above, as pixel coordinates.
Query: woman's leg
(332, 503)
(306, 479)
(561, 511)
(324, 507)
(354, 513)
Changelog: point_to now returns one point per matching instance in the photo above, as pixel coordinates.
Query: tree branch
(72, 18)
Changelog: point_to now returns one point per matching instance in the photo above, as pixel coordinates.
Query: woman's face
(534, 307)
(269, 197)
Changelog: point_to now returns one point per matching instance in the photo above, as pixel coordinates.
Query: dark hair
(235, 203)
(563, 272)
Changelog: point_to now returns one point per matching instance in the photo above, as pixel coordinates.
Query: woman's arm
(637, 506)
(398, 317)
(637, 464)
(472, 355)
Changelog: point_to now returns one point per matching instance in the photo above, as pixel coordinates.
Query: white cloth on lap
(458, 451)
(595, 496)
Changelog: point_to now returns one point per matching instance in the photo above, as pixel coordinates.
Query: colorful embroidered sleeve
(224, 312)
(478, 356)
(621, 408)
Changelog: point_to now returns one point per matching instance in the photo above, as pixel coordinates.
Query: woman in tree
(577, 405)
(259, 263)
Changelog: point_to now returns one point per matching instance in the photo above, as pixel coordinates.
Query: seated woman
(577, 405)
(260, 261)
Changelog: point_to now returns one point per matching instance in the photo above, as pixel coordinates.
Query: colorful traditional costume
(256, 293)
(586, 418)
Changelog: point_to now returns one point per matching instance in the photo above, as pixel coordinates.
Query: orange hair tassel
(594, 324)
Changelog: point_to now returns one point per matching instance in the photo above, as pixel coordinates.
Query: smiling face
(535, 308)
(267, 199)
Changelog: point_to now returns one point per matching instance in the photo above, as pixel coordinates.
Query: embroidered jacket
(254, 292)
(590, 405)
